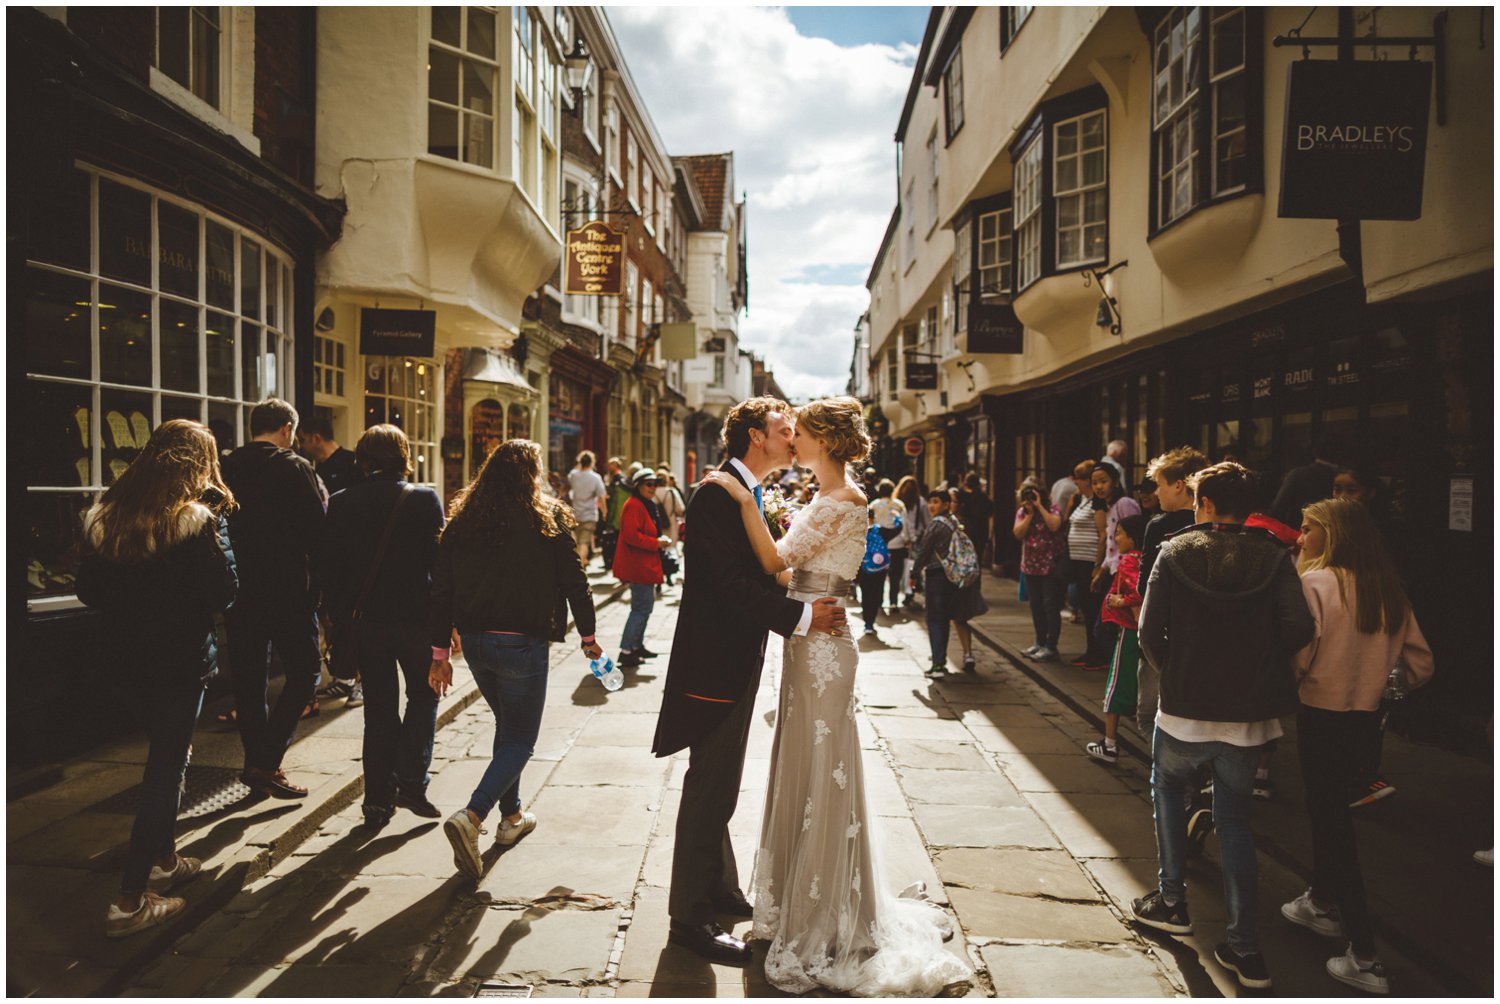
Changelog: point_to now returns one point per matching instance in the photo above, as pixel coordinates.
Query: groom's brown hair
(747, 415)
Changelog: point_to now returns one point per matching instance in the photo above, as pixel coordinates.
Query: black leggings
(871, 591)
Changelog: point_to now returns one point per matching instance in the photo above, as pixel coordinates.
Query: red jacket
(637, 554)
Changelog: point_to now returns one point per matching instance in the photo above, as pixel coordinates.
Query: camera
(1029, 495)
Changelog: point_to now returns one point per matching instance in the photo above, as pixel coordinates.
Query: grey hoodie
(1224, 614)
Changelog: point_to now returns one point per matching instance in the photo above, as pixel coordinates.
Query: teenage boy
(1171, 472)
(1222, 617)
(927, 569)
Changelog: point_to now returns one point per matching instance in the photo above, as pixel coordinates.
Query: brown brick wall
(285, 87)
(126, 34)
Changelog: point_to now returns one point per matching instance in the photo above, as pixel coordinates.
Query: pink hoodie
(1344, 670)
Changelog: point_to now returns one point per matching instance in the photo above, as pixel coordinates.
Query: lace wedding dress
(819, 896)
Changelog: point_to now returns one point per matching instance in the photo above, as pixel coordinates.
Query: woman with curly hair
(506, 573)
(157, 562)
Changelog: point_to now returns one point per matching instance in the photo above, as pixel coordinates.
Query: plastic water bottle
(604, 670)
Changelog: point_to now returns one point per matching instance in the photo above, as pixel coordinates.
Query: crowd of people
(1213, 620)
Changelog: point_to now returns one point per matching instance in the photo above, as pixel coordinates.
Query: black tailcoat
(728, 606)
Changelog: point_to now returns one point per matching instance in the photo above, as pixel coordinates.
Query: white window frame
(932, 173)
(421, 408)
(995, 254)
(632, 301)
(632, 167)
(1220, 79)
(1174, 102)
(953, 95)
(1080, 190)
(488, 65)
(1027, 206)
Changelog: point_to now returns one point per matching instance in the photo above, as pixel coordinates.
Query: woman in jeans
(638, 563)
(1038, 527)
(157, 563)
(392, 627)
(1364, 628)
(506, 573)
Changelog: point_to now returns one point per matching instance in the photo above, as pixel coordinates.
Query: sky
(808, 99)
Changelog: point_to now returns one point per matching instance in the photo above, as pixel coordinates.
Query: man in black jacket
(274, 531)
(1223, 615)
(728, 606)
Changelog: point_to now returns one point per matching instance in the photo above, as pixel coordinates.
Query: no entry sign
(914, 447)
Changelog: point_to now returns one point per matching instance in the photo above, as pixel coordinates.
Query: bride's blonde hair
(839, 424)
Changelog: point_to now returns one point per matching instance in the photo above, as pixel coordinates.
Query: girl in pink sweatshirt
(1365, 628)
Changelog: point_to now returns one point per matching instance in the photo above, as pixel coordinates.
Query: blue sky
(808, 100)
(861, 25)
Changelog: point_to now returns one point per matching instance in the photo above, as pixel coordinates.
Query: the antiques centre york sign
(595, 260)
(397, 332)
(1355, 142)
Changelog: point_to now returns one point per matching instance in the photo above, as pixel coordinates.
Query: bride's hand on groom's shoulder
(731, 484)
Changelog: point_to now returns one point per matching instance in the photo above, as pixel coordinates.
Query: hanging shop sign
(1355, 140)
(994, 327)
(595, 261)
(921, 376)
(397, 332)
(679, 341)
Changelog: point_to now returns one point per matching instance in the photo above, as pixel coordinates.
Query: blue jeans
(938, 592)
(169, 713)
(511, 671)
(1174, 764)
(397, 749)
(642, 601)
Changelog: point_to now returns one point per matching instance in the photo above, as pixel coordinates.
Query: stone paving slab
(1015, 739)
(1054, 874)
(959, 787)
(1064, 772)
(531, 945)
(937, 755)
(989, 914)
(531, 871)
(590, 816)
(980, 826)
(1098, 826)
(629, 766)
(1067, 971)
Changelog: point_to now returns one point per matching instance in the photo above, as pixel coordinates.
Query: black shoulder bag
(343, 659)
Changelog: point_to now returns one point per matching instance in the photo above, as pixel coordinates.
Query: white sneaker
(1031, 653)
(464, 836)
(509, 833)
(153, 910)
(1366, 976)
(162, 880)
(356, 695)
(1486, 858)
(1305, 912)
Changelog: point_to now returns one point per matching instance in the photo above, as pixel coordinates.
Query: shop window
(329, 366)
(1205, 135)
(403, 392)
(462, 78)
(953, 94)
(518, 422)
(110, 353)
(188, 43)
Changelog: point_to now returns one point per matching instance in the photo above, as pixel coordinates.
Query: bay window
(1028, 214)
(1205, 123)
(953, 94)
(1079, 185)
(462, 75)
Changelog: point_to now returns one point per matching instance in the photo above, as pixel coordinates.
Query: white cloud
(811, 126)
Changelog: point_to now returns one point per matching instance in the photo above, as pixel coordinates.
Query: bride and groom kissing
(819, 898)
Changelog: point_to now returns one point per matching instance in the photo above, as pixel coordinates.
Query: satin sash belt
(818, 584)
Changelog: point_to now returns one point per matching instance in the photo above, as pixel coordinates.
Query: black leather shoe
(646, 653)
(417, 804)
(735, 905)
(711, 942)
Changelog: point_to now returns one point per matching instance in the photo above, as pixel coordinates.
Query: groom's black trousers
(703, 867)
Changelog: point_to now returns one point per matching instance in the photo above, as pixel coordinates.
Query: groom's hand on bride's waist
(827, 616)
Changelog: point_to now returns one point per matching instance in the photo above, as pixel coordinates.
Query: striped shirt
(1083, 535)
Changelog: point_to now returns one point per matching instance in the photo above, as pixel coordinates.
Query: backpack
(877, 553)
(961, 563)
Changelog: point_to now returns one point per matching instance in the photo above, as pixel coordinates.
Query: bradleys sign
(594, 264)
(1355, 143)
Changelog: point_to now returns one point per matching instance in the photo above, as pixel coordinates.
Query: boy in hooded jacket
(1223, 616)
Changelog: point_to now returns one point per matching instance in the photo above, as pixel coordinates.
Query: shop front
(578, 407)
(1401, 390)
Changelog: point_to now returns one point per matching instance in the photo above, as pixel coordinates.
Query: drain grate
(206, 790)
(490, 988)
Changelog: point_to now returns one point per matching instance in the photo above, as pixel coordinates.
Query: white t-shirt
(585, 489)
(1190, 730)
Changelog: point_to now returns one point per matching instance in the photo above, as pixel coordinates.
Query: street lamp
(579, 66)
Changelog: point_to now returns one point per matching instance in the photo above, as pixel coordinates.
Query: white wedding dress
(819, 896)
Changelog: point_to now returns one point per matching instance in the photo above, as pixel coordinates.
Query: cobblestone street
(978, 785)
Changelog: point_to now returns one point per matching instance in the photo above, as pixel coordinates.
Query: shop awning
(491, 367)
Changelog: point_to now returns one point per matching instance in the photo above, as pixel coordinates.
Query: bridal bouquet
(780, 509)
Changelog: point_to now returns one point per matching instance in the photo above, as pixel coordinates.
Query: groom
(728, 605)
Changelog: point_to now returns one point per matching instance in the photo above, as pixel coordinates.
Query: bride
(818, 895)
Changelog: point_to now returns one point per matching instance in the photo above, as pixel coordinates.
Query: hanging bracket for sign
(1437, 40)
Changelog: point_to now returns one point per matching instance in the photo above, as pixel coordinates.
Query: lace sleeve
(811, 532)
